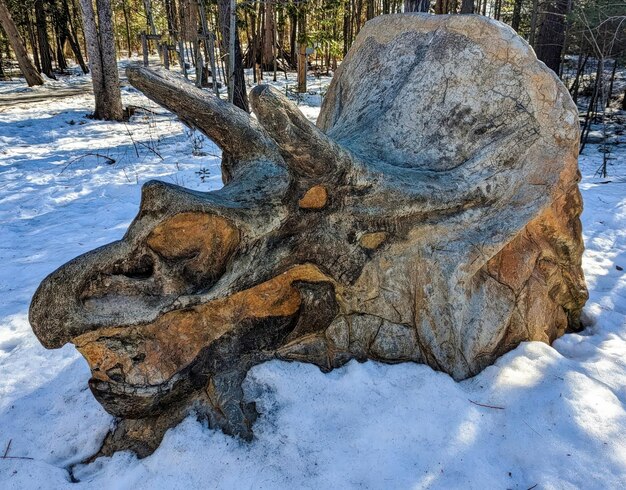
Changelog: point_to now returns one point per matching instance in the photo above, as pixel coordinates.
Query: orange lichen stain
(205, 240)
(174, 339)
(315, 198)
(372, 241)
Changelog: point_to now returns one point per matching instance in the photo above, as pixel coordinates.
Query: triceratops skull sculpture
(431, 216)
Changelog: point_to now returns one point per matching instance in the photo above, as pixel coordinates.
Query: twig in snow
(149, 148)
(486, 406)
(109, 160)
(134, 108)
(6, 453)
(132, 139)
(532, 429)
(534, 486)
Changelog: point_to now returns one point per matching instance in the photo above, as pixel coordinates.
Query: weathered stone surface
(433, 216)
(373, 240)
(314, 198)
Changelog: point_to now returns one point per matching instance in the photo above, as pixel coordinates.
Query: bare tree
(147, 5)
(42, 39)
(517, 15)
(27, 67)
(416, 5)
(240, 96)
(467, 6)
(302, 42)
(551, 37)
(102, 59)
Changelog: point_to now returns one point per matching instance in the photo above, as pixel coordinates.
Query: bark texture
(240, 98)
(551, 37)
(102, 59)
(42, 39)
(416, 5)
(467, 6)
(412, 224)
(27, 67)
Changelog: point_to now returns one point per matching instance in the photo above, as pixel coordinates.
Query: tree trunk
(592, 107)
(579, 73)
(240, 96)
(209, 45)
(552, 35)
(347, 34)
(357, 15)
(369, 12)
(2, 74)
(73, 38)
(26, 65)
(60, 16)
(42, 39)
(610, 94)
(32, 37)
(268, 36)
(61, 61)
(102, 59)
(172, 17)
(232, 34)
(302, 62)
(293, 31)
(533, 23)
(517, 15)
(416, 5)
(147, 4)
(467, 6)
(127, 26)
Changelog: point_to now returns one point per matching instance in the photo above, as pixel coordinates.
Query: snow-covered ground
(68, 184)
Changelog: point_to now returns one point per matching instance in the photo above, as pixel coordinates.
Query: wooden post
(144, 48)
(302, 62)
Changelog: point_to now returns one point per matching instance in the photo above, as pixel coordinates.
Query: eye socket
(199, 244)
(143, 269)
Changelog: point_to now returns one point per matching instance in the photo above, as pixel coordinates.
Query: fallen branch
(486, 406)
(149, 148)
(109, 160)
(130, 135)
(132, 109)
(6, 453)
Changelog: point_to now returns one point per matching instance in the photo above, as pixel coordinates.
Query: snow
(553, 417)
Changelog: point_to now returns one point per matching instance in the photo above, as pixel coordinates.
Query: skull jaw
(210, 387)
(124, 400)
(141, 371)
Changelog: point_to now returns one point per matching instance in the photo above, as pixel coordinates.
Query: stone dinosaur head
(431, 216)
